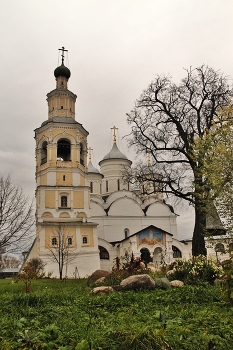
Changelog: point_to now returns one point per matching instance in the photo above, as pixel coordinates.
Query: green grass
(66, 316)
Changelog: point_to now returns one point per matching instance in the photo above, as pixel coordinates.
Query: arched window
(64, 201)
(219, 248)
(84, 240)
(63, 150)
(54, 241)
(176, 252)
(44, 153)
(70, 241)
(81, 154)
(104, 255)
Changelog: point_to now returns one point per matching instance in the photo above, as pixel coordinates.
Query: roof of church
(145, 228)
(62, 71)
(92, 169)
(115, 153)
(65, 120)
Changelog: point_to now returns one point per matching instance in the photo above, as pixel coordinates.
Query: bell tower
(62, 190)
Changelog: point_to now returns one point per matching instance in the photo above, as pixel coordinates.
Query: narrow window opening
(126, 230)
(63, 201)
(118, 185)
(91, 187)
(106, 186)
(70, 241)
(64, 178)
(61, 107)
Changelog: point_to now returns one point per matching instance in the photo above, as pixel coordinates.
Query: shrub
(195, 270)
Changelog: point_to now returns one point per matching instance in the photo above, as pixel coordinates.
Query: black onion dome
(62, 71)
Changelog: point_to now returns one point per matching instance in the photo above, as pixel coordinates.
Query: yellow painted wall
(38, 197)
(43, 180)
(88, 231)
(49, 199)
(82, 181)
(78, 201)
(51, 232)
(61, 182)
(63, 136)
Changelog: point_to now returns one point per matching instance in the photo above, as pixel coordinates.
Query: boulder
(138, 282)
(96, 275)
(177, 283)
(142, 265)
(102, 290)
(162, 283)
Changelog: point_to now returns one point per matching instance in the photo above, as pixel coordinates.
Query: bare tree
(62, 249)
(166, 121)
(16, 217)
(9, 261)
(37, 266)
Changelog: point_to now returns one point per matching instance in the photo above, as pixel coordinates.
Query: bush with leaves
(195, 270)
(228, 278)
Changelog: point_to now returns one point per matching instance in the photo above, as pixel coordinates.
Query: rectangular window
(106, 186)
(91, 187)
(63, 201)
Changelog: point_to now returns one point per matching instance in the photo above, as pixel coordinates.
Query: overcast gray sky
(116, 47)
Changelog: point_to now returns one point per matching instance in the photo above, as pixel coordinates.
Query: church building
(86, 217)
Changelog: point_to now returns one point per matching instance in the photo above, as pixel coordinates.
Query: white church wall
(97, 209)
(107, 264)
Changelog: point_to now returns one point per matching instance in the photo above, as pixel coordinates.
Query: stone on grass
(142, 265)
(102, 290)
(96, 275)
(162, 283)
(138, 282)
(99, 281)
(177, 283)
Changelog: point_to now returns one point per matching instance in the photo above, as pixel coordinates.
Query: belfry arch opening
(44, 152)
(81, 154)
(63, 150)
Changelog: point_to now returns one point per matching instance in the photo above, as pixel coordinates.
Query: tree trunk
(198, 243)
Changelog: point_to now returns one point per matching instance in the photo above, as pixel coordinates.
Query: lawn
(65, 315)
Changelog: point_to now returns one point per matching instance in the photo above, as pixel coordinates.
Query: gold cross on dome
(62, 55)
(114, 133)
(90, 149)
